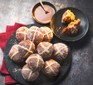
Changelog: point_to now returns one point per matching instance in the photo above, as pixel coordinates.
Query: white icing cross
(49, 65)
(36, 31)
(59, 50)
(45, 48)
(29, 49)
(38, 59)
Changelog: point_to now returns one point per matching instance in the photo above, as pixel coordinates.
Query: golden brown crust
(68, 16)
(72, 28)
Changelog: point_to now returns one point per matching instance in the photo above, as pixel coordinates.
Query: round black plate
(15, 70)
(56, 23)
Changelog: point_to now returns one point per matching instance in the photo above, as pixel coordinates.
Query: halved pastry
(72, 28)
(68, 16)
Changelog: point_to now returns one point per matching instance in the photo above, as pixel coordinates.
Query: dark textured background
(81, 72)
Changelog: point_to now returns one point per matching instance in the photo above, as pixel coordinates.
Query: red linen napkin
(3, 40)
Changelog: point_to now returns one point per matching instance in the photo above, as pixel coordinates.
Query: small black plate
(15, 70)
(56, 23)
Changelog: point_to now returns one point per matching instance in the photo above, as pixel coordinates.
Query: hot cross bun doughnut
(18, 53)
(15, 55)
(35, 34)
(35, 62)
(26, 47)
(60, 51)
(51, 68)
(28, 74)
(48, 34)
(45, 49)
(21, 33)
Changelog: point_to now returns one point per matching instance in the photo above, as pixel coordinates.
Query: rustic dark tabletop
(81, 72)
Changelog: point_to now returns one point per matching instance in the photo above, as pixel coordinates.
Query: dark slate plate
(56, 23)
(15, 70)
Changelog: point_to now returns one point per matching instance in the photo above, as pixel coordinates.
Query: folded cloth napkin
(3, 40)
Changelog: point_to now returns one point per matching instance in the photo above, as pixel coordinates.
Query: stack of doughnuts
(37, 52)
(28, 74)
(34, 64)
(19, 52)
(35, 34)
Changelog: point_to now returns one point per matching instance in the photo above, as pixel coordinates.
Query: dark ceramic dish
(56, 24)
(15, 70)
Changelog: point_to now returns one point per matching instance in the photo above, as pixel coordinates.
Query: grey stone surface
(81, 72)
